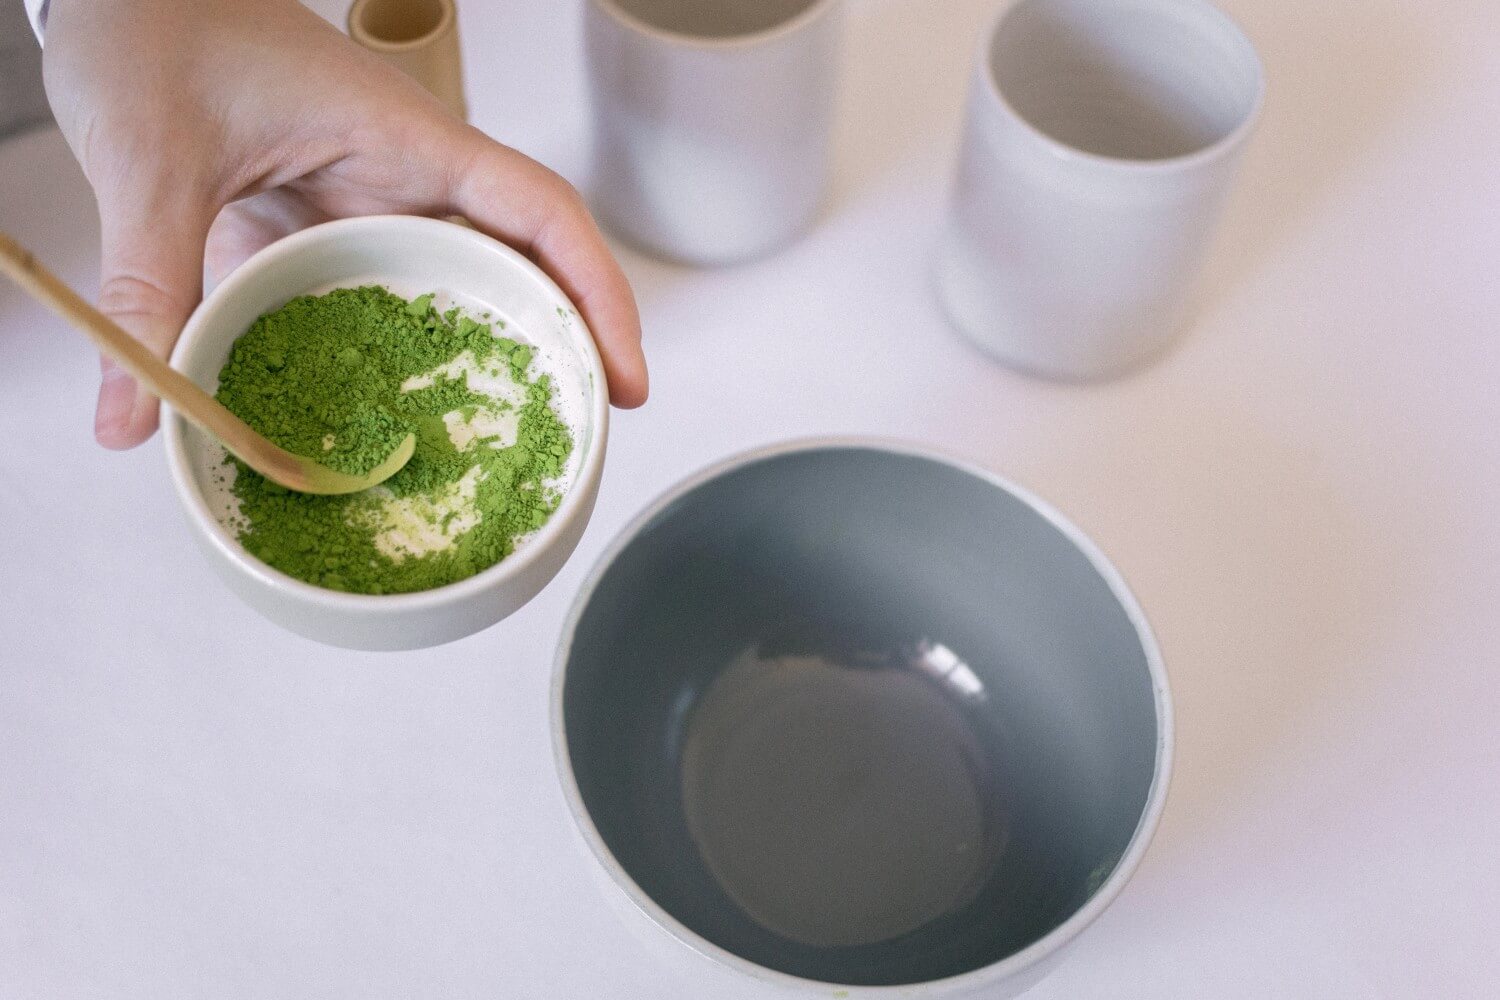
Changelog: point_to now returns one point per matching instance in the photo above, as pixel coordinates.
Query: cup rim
(1070, 153)
(1012, 964)
(446, 16)
(812, 12)
(518, 562)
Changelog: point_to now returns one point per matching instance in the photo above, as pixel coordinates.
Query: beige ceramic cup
(711, 121)
(1102, 137)
(418, 37)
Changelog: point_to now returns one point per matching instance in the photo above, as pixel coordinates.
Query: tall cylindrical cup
(418, 37)
(711, 121)
(1101, 139)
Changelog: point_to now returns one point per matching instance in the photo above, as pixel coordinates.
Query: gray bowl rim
(989, 975)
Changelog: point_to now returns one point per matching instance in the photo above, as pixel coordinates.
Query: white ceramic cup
(1101, 139)
(711, 122)
(411, 256)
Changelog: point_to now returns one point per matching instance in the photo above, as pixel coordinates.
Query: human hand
(179, 108)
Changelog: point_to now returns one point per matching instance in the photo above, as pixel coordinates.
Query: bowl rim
(410, 228)
(988, 975)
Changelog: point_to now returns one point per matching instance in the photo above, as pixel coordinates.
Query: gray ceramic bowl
(847, 713)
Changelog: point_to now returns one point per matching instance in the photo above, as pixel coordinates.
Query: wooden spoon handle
(270, 460)
(135, 357)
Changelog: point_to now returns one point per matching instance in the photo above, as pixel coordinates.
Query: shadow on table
(1338, 78)
(901, 83)
(901, 88)
(650, 277)
(1268, 580)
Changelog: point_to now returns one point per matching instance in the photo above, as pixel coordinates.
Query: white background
(1304, 495)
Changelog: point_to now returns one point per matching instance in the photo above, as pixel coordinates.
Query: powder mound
(343, 378)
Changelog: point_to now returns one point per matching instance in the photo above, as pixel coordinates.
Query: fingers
(252, 224)
(150, 279)
(520, 202)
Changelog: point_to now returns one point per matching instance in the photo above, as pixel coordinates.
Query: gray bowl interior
(871, 559)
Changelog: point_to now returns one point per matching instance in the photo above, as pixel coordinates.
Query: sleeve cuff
(36, 10)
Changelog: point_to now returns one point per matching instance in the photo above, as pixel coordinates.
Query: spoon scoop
(295, 472)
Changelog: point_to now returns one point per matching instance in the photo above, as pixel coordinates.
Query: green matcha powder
(322, 377)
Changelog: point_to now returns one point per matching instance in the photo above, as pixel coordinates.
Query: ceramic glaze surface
(840, 802)
(710, 144)
(1100, 143)
(862, 717)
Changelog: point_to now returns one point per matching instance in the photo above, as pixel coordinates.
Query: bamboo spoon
(275, 463)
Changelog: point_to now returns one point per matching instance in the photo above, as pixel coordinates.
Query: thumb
(150, 280)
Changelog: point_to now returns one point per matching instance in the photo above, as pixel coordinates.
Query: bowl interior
(860, 716)
(410, 256)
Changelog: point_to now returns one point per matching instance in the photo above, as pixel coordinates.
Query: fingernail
(117, 401)
(143, 415)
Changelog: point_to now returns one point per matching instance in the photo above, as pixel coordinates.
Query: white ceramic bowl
(411, 256)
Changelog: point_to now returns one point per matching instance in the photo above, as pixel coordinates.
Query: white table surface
(194, 803)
